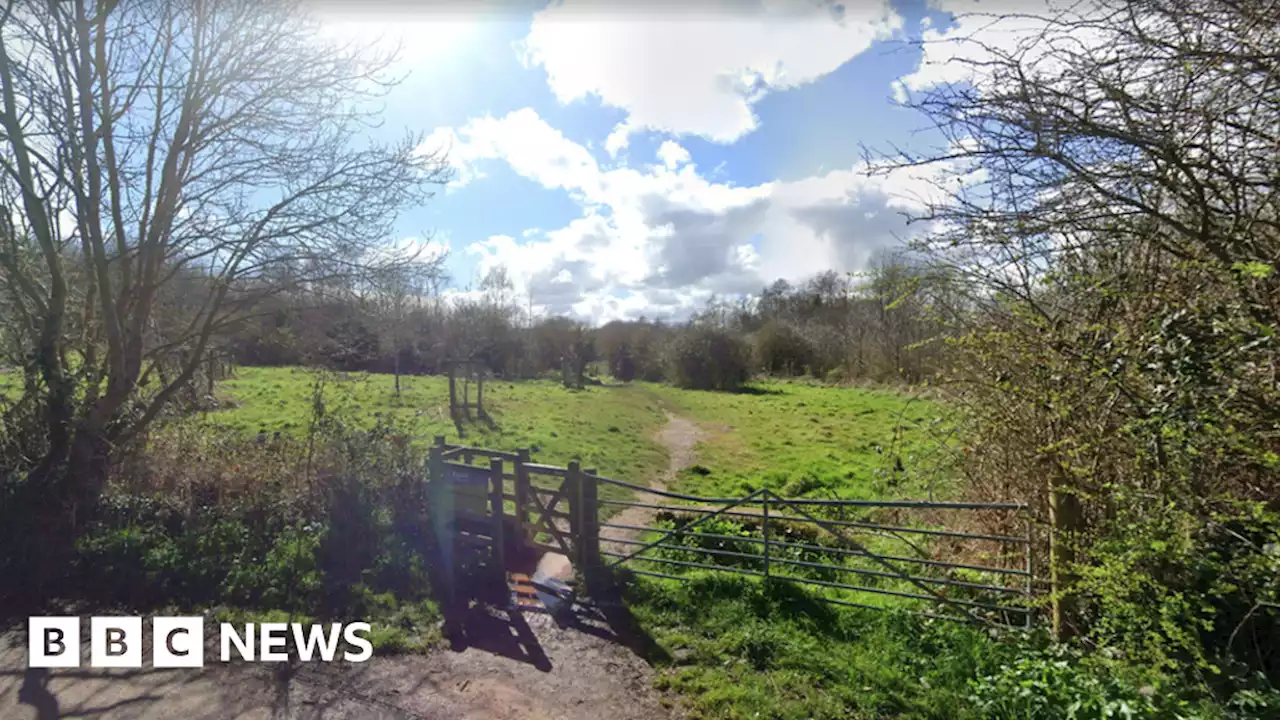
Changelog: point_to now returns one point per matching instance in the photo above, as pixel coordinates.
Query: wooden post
(453, 389)
(522, 491)
(764, 531)
(480, 393)
(440, 500)
(1030, 588)
(573, 490)
(1065, 522)
(591, 564)
(495, 509)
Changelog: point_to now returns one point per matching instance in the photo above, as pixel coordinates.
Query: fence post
(1030, 570)
(522, 491)
(453, 391)
(590, 524)
(495, 508)
(1065, 522)
(764, 531)
(439, 500)
(573, 490)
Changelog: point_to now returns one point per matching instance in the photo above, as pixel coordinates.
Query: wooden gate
(466, 506)
(496, 501)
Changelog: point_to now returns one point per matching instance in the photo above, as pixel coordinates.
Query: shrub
(782, 350)
(1173, 592)
(708, 358)
(622, 365)
(1054, 683)
(210, 518)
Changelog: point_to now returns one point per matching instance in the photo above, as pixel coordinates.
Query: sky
(634, 159)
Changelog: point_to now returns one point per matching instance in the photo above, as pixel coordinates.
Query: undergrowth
(745, 648)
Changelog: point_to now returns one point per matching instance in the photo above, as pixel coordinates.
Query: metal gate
(846, 552)
(920, 556)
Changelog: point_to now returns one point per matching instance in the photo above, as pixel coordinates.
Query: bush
(622, 365)
(782, 350)
(1054, 684)
(1173, 592)
(708, 358)
(210, 519)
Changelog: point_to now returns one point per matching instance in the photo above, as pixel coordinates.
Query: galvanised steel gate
(923, 557)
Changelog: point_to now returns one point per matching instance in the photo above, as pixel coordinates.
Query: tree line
(872, 326)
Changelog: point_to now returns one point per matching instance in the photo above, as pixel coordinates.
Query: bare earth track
(575, 675)
(524, 667)
(679, 436)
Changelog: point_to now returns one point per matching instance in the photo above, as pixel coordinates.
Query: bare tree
(1111, 207)
(499, 290)
(209, 142)
(398, 289)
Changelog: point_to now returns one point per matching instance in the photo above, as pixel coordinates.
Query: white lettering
(230, 637)
(268, 642)
(349, 634)
(307, 644)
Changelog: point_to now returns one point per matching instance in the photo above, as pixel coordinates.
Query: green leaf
(1253, 269)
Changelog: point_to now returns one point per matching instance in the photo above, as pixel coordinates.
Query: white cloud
(672, 154)
(658, 241)
(618, 140)
(694, 71)
(522, 139)
(954, 54)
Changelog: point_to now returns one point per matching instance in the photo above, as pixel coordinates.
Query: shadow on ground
(501, 632)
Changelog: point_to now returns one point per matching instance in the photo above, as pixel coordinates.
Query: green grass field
(797, 438)
(609, 428)
(745, 648)
(739, 648)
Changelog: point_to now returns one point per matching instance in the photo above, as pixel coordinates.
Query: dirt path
(680, 436)
(530, 670)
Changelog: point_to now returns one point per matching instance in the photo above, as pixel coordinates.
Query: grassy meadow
(609, 428)
(793, 437)
(800, 438)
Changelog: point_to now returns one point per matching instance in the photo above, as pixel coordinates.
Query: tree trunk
(1065, 522)
(396, 364)
(63, 497)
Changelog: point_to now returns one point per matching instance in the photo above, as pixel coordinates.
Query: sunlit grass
(608, 428)
(798, 438)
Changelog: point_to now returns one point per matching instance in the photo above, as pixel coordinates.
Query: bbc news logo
(178, 642)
